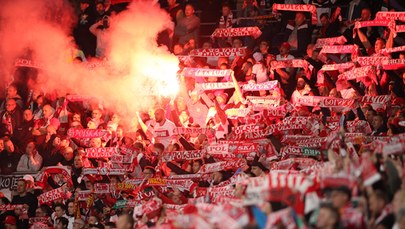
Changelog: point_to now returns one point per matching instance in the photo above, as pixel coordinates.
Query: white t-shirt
(261, 73)
(163, 134)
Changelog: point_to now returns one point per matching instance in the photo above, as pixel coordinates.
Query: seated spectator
(31, 161)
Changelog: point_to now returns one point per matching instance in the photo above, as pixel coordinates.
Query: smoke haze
(136, 69)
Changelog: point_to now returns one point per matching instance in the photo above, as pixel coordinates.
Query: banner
(359, 73)
(294, 63)
(183, 155)
(205, 72)
(215, 86)
(102, 188)
(237, 112)
(124, 159)
(321, 101)
(337, 67)
(385, 15)
(268, 100)
(78, 98)
(191, 130)
(372, 60)
(27, 63)
(379, 99)
(100, 152)
(9, 181)
(330, 41)
(298, 7)
(400, 28)
(237, 32)
(103, 171)
(377, 22)
(339, 49)
(86, 133)
(51, 196)
(393, 64)
(392, 50)
(222, 165)
(270, 85)
(220, 52)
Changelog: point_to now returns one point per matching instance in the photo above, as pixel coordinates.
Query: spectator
(48, 119)
(27, 199)
(298, 34)
(62, 223)
(11, 118)
(9, 157)
(31, 161)
(84, 39)
(10, 222)
(187, 27)
(99, 29)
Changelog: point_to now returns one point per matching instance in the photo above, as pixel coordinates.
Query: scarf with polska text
(297, 7)
(330, 41)
(237, 32)
(385, 15)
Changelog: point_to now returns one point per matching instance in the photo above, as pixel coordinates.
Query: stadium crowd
(292, 117)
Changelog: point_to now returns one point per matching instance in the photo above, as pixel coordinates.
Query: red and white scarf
(298, 7)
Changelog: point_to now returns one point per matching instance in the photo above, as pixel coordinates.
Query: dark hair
(159, 146)
(334, 212)
(110, 224)
(63, 220)
(59, 205)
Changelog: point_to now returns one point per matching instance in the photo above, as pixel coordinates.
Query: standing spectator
(329, 25)
(31, 161)
(162, 128)
(226, 21)
(27, 199)
(100, 10)
(187, 27)
(99, 29)
(259, 71)
(51, 153)
(176, 13)
(298, 34)
(84, 39)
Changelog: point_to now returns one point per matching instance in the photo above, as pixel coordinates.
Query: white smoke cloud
(137, 67)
